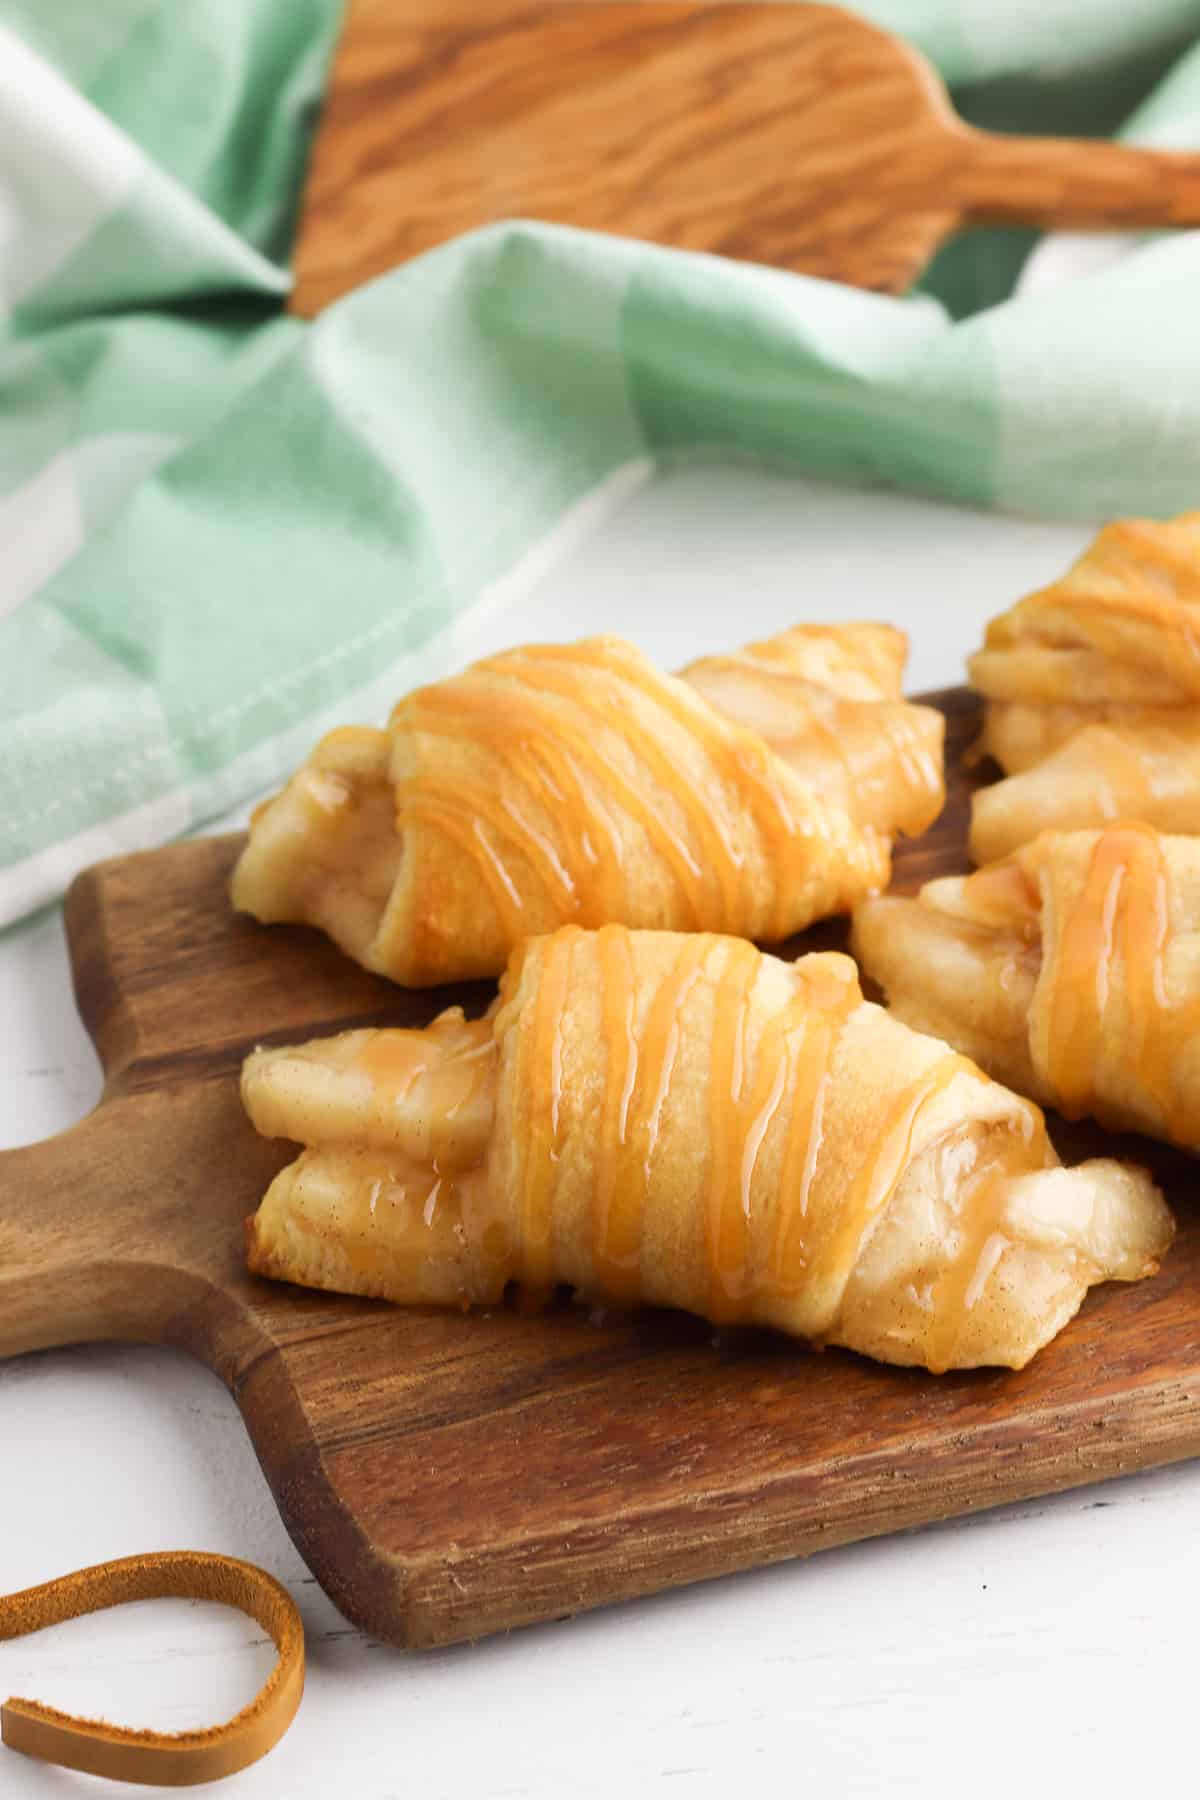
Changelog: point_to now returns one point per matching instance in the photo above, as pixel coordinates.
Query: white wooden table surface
(1044, 1646)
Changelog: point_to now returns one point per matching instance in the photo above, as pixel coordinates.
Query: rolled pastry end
(1102, 773)
(983, 1269)
(325, 851)
(369, 1223)
(428, 1094)
(398, 1125)
(953, 979)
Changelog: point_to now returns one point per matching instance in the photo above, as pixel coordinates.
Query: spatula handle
(1076, 183)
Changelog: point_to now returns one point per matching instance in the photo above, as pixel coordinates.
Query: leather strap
(170, 1759)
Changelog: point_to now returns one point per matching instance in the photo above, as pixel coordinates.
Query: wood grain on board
(447, 1475)
(790, 134)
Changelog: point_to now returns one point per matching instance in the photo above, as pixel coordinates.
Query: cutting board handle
(127, 1225)
(101, 1236)
(1065, 183)
(68, 1246)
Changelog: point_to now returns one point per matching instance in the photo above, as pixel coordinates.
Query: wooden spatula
(789, 134)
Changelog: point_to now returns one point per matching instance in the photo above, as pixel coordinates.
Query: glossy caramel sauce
(808, 1035)
(544, 740)
(873, 753)
(635, 686)
(880, 742)
(883, 1168)
(786, 819)
(555, 816)
(616, 1232)
(637, 1092)
(712, 887)
(744, 766)
(1142, 574)
(727, 1221)
(1138, 580)
(534, 1265)
(411, 1199)
(757, 1070)
(445, 1075)
(981, 1239)
(1107, 976)
(911, 763)
(423, 1221)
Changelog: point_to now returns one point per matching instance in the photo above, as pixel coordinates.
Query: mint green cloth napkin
(220, 528)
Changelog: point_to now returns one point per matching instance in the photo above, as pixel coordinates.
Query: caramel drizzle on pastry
(609, 709)
(757, 1246)
(741, 760)
(545, 737)
(1121, 916)
(535, 1225)
(1129, 601)
(748, 1084)
(982, 1243)
(432, 1106)
(730, 1111)
(616, 1229)
(451, 1061)
(815, 710)
(450, 1066)
(882, 1171)
(649, 1063)
(808, 1045)
(1137, 568)
(544, 747)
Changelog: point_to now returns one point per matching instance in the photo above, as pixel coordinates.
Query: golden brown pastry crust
(559, 783)
(828, 700)
(683, 1121)
(1091, 687)
(1071, 970)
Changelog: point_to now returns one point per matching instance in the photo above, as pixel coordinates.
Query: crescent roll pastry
(684, 1121)
(576, 784)
(1091, 687)
(1071, 970)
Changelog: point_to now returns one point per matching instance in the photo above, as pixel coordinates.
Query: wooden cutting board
(785, 133)
(444, 1475)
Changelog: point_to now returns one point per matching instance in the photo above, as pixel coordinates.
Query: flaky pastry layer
(1071, 970)
(683, 1121)
(1091, 689)
(752, 794)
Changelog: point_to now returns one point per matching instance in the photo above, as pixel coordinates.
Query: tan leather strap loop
(169, 1759)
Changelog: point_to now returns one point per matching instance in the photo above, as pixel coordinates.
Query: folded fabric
(222, 531)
